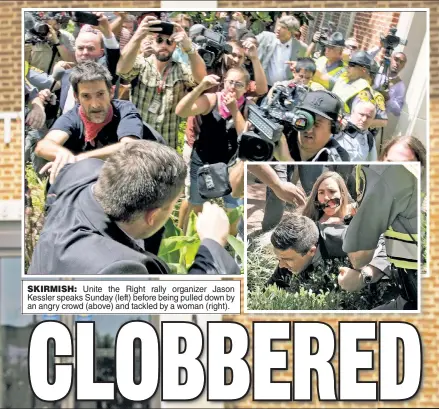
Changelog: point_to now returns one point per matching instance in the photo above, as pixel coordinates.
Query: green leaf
(235, 214)
(257, 27)
(237, 245)
(171, 229)
(172, 244)
(191, 230)
(177, 268)
(191, 252)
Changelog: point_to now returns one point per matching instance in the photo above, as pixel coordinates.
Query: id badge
(155, 105)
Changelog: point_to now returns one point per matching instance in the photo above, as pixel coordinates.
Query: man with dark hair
(96, 127)
(158, 82)
(392, 87)
(105, 217)
(300, 244)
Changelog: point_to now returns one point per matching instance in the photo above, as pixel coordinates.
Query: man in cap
(332, 62)
(317, 143)
(353, 86)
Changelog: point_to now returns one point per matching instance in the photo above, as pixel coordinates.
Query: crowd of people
(113, 80)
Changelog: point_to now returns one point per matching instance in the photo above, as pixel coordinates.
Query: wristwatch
(366, 276)
(191, 51)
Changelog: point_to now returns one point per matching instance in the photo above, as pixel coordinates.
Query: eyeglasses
(160, 40)
(352, 65)
(236, 84)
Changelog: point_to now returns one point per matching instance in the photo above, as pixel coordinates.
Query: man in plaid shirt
(161, 82)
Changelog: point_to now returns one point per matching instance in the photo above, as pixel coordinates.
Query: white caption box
(131, 297)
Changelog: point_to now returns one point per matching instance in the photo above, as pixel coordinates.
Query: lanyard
(163, 80)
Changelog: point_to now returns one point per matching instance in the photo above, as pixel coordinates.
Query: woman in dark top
(222, 117)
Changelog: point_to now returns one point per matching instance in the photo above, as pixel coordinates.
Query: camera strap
(54, 53)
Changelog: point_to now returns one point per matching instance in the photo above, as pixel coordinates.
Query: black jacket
(79, 238)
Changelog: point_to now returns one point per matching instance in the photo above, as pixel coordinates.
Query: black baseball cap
(323, 103)
(361, 58)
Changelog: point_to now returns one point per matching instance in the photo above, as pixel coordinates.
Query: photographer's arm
(260, 78)
(282, 152)
(129, 53)
(65, 53)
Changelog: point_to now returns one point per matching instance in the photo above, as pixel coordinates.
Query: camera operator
(161, 82)
(356, 138)
(275, 49)
(317, 143)
(57, 44)
(392, 87)
(222, 118)
(353, 86)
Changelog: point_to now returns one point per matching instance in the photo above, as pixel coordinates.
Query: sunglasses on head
(160, 40)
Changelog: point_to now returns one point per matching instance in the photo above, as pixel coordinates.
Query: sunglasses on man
(160, 40)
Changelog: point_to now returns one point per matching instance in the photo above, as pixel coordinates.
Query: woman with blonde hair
(329, 200)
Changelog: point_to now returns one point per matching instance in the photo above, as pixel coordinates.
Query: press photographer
(50, 43)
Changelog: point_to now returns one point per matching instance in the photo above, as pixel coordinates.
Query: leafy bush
(313, 289)
(178, 250)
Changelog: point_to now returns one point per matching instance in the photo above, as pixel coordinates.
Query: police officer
(388, 200)
(332, 62)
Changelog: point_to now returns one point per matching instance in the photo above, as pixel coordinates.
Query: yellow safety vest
(26, 68)
(346, 91)
(401, 248)
(335, 73)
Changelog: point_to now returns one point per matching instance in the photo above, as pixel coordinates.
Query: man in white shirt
(275, 49)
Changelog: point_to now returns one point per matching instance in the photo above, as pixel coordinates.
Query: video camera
(391, 40)
(270, 120)
(326, 33)
(36, 27)
(212, 45)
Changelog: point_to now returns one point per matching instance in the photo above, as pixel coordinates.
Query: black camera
(259, 146)
(391, 40)
(283, 107)
(211, 46)
(326, 33)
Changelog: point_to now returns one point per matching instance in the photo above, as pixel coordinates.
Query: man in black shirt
(96, 127)
(317, 143)
(102, 216)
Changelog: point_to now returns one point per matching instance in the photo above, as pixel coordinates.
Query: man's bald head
(89, 46)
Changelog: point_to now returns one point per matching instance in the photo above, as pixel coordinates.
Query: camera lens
(258, 150)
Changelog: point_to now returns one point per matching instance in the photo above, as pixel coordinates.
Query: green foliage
(314, 289)
(34, 214)
(179, 249)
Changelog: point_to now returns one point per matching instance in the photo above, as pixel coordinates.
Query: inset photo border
(297, 251)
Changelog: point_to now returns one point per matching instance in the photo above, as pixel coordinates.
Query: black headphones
(336, 124)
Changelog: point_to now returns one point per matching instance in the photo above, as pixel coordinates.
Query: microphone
(57, 74)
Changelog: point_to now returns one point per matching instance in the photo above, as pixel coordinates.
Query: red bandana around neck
(92, 129)
(223, 110)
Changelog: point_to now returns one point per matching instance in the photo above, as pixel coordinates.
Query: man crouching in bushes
(301, 245)
(103, 213)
